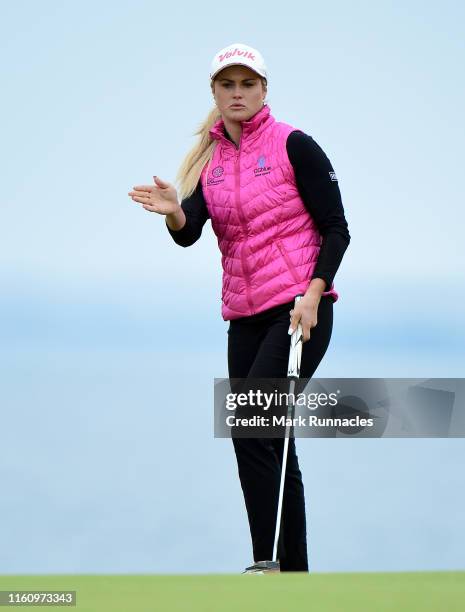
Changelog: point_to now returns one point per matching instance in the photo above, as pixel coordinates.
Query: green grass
(355, 592)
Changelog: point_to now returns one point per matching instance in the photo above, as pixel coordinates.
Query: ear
(265, 87)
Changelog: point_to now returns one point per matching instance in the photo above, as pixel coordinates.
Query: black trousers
(258, 347)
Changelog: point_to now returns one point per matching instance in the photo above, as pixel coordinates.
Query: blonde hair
(191, 168)
(202, 152)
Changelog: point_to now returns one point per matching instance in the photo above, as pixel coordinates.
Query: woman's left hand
(305, 311)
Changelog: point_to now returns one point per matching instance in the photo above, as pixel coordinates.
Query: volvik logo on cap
(238, 54)
(236, 51)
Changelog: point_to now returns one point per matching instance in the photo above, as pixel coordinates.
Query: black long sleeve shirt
(318, 187)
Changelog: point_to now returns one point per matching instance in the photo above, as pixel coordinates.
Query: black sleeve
(195, 209)
(318, 187)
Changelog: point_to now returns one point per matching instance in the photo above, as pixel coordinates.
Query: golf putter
(293, 373)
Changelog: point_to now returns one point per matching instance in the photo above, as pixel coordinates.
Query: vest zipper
(245, 267)
(288, 261)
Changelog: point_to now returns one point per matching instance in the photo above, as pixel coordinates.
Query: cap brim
(235, 64)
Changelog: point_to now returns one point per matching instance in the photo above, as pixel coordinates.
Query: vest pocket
(288, 261)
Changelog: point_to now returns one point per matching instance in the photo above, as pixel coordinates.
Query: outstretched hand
(161, 197)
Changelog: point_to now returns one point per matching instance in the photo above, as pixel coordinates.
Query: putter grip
(295, 351)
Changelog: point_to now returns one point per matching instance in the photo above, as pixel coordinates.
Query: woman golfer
(275, 206)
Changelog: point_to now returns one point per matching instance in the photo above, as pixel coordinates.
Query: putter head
(263, 567)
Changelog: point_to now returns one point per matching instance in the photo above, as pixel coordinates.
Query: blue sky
(103, 315)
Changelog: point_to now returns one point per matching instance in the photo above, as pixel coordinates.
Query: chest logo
(262, 168)
(217, 172)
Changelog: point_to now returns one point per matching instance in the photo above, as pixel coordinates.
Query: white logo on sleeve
(332, 176)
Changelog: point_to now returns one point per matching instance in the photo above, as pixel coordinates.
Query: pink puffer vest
(268, 240)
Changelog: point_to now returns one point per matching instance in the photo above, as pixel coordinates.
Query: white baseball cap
(238, 54)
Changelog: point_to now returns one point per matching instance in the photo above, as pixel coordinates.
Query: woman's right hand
(161, 198)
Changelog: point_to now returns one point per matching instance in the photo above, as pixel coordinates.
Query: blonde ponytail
(191, 168)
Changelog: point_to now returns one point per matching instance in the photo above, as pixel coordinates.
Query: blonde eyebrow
(243, 80)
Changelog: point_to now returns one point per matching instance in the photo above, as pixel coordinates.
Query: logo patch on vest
(262, 167)
(332, 176)
(216, 173)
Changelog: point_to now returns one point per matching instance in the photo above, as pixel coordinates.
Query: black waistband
(265, 314)
(271, 312)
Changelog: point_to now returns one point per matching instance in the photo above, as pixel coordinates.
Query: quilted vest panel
(268, 241)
